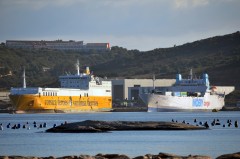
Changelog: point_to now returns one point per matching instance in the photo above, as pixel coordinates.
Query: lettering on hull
(74, 103)
(197, 103)
(50, 102)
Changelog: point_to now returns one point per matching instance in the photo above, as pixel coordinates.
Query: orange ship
(81, 92)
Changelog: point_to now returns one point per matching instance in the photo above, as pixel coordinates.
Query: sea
(34, 141)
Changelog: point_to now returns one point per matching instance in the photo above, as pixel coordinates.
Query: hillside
(218, 56)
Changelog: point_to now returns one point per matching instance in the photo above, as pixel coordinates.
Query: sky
(132, 24)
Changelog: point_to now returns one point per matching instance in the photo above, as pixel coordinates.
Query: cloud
(39, 4)
(181, 4)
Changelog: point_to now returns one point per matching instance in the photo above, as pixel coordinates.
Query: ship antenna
(153, 81)
(77, 66)
(191, 74)
(24, 78)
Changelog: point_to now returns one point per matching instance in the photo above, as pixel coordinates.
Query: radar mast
(78, 67)
(24, 78)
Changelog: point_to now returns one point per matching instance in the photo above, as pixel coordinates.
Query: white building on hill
(58, 45)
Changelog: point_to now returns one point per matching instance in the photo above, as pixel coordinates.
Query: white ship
(186, 94)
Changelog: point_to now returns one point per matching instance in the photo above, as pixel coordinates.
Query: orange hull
(36, 103)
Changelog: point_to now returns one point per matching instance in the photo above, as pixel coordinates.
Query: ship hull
(29, 103)
(163, 103)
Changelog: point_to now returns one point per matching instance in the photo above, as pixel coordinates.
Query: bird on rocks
(236, 124)
(206, 125)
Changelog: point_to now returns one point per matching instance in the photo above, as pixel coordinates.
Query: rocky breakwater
(122, 156)
(92, 126)
(113, 156)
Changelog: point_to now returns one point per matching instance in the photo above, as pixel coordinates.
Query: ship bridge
(75, 81)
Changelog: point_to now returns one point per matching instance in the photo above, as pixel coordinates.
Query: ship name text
(73, 103)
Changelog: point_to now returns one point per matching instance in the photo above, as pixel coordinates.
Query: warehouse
(129, 88)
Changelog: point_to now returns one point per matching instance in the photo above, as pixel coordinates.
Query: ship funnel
(87, 70)
(178, 78)
(206, 80)
(24, 78)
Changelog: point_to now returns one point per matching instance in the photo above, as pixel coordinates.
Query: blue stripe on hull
(151, 109)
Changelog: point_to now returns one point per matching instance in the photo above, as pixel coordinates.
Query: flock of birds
(44, 125)
(213, 123)
(27, 125)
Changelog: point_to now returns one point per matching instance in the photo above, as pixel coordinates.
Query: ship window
(137, 86)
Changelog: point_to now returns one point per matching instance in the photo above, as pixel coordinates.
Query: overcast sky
(132, 24)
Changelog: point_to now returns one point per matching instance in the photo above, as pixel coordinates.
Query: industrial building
(58, 45)
(128, 89)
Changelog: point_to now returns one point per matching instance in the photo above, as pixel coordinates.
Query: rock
(112, 156)
(99, 156)
(50, 157)
(86, 157)
(167, 155)
(68, 157)
(232, 156)
(140, 157)
(173, 156)
(16, 157)
(91, 126)
(147, 156)
(197, 157)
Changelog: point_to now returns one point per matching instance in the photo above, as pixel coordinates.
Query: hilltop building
(58, 45)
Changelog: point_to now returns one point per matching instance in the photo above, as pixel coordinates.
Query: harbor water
(35, 141)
